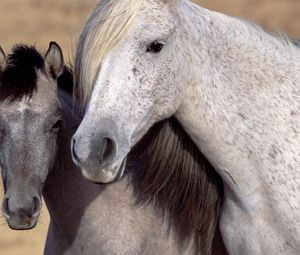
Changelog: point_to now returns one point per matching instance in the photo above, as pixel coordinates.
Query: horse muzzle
(21, 213)
(99, 155)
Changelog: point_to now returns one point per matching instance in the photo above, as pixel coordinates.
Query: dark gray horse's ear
(54, 60)
(2, 60)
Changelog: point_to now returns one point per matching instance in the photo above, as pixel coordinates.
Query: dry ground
(38, 22)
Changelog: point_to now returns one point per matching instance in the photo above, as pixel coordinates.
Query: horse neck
(63, 187)
(239, 77)
(63, 175)
(242, 110)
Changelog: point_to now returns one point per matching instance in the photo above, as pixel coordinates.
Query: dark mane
(175, 176)
(19, 77)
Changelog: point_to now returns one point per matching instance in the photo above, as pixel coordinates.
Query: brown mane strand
(175, 176)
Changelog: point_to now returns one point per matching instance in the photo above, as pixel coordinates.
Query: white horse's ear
(2, 60)
(54, 60)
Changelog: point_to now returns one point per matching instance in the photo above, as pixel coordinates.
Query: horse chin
(22, 223)
(106, 175)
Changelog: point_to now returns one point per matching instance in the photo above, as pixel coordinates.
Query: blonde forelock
(106, 25)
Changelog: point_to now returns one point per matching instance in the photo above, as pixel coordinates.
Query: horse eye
(156, 46)
(56, 126)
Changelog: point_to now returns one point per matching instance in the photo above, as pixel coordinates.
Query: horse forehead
(157, 11)
(156, 3)
(23, 106)
(15, 108)
(21, 111)
(38, 103)
(26, 108)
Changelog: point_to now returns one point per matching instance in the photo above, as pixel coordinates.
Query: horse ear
(2, 60)
(54, 60)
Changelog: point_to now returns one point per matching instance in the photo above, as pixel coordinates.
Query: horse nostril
(21, 207)
(73, 150)
(36, 206)
(5, 209)
(106, 151)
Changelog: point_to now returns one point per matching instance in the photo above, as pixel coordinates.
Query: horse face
(141, 81)
(28, 144)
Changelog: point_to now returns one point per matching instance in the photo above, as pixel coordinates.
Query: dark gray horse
(36, 125)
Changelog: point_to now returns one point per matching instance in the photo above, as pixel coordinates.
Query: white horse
(234, 89)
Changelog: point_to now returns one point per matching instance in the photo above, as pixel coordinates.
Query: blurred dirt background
(40, 21)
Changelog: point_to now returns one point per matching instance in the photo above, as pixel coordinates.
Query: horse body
(37, 123)
(231, 86)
